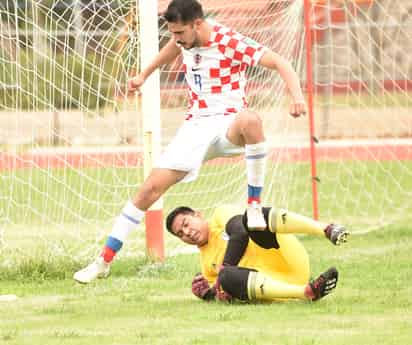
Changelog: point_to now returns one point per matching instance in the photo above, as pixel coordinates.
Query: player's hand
(135, 84)
(200, 286)
(221, 295)
(297, 108)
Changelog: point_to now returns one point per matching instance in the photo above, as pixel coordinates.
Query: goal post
(310, 95)
(149, 44)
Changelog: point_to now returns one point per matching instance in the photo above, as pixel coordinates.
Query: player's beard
(196, 41)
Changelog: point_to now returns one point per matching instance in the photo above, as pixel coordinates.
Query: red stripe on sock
(108, 254)
(251, 199)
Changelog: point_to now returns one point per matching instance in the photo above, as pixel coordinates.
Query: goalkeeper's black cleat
(337, 234)
(323, 285)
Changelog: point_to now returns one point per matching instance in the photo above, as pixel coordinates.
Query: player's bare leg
(247, 130)
(157, 183)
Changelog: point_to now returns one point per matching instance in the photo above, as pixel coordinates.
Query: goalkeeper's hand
(201, 288)
(221, 295)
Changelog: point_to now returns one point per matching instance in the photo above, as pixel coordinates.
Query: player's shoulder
(222, 33)
(215, 25)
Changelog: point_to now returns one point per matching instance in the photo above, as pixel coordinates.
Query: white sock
(255, 155)
(126, 222)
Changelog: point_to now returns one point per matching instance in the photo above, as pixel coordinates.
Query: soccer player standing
(217, 123)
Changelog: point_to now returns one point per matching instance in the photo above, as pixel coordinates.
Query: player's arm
(237, 244)
(274, 61)
(202, 289)
(238, 241)
(236, 247)
(166, 55)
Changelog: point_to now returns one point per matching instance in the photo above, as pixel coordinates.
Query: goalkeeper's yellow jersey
(271, 261)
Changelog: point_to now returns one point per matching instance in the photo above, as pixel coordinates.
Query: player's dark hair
(183, 11)
(172, 215)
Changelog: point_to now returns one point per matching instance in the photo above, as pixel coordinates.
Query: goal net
(71, 136)
(362, 85)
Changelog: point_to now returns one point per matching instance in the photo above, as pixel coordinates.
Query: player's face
(191, 229)
(185, 34)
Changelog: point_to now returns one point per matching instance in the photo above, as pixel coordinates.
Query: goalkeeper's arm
(202, 289)
(238, 241)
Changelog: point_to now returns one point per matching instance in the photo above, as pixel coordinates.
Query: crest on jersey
(225, 236)
(197, 58)
(251, 42)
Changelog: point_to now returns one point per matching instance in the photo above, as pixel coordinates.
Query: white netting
(65, 121)
(278, 25)
(363, 99)
(66, 171)
(71, 139)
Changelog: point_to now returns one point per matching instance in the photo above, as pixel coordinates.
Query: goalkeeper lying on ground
(272, 265)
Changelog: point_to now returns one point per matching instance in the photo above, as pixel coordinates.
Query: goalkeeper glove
(201, 288)
(221, 295)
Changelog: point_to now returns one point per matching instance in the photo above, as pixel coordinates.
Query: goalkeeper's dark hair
(172, 215)
(183, 11)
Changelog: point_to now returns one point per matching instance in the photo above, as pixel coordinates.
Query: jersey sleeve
(241, 49)
(238, 241)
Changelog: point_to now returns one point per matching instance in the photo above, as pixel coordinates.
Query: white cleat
(255, 219)
(97, 269)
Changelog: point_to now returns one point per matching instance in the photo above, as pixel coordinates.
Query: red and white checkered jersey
(215, 73)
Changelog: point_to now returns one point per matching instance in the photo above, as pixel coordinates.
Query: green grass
(54, 221)
(356, 191)
(47, 216)
(144, 303)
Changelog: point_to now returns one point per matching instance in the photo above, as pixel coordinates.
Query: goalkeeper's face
(185, 35)
(191, 228)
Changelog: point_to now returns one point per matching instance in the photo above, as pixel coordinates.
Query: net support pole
(309, 85)
(149, 47)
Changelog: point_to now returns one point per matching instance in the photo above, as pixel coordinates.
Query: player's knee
(150, 190)
(251, 122)
(233, 280)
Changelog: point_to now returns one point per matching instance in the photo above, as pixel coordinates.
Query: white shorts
(196, 141)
